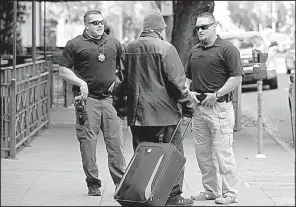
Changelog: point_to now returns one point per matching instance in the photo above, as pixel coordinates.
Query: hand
(83, 91)
(121, 113)
(210, 100)
(120, 105)
(187, 106)
(188, 111)
(193, 96)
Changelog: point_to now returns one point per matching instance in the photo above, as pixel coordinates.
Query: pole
(44, 28)
(12, 109)
(237, 107)
(273, 16)
(34, 33)
(259, 119)
(14, 38)
(40, 24)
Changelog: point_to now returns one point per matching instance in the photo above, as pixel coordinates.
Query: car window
(245, 42)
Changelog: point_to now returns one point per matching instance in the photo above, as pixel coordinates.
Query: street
(275, 112)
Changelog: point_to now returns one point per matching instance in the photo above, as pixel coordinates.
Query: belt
(101, 95)
(96, 96)
(227, 97)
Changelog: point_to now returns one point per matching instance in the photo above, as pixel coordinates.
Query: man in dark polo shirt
(89, 62)
(214, 69)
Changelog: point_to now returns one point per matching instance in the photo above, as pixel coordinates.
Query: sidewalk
(50, 171)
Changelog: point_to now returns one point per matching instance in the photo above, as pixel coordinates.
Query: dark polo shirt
(210, 67)
(81, 55)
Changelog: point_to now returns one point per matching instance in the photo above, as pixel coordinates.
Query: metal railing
(26, 99)
(62, 95)
(25, 103)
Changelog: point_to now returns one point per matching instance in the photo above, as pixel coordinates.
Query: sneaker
(179, 201)
(203, 196)
(227, 199)
(94, 190)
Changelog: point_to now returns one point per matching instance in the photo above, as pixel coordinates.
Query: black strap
(183, 133)
(227, 97)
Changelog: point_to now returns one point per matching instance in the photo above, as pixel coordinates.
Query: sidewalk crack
(268, 196)
(19, 202)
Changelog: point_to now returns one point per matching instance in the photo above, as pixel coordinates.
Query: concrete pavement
(49, 172)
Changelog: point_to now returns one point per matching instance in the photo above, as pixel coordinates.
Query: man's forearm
(230, 85)
(69, 76)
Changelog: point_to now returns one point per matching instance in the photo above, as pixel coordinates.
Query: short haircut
(90, 12)
(207, 15)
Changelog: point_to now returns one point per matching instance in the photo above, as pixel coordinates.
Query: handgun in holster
(80, 111)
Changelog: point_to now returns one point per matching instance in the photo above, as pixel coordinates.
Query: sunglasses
(97, 22)
(204, 27)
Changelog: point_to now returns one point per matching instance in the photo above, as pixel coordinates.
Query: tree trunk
(184, 36)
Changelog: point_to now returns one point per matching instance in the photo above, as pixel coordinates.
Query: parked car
(244, 42)
(283, 41)
(291, 100)
(290, 58)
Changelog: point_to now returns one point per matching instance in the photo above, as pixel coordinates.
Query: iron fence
(27, 94)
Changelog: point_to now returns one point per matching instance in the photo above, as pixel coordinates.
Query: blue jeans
(151, 134)
(101, 115)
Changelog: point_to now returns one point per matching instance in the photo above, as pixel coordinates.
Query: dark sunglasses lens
(97, 22)
(204, 27)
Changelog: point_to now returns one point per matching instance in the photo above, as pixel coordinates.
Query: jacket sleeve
(174, 74)
(120, 87)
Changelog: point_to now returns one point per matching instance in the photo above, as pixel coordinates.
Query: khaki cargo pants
(213, 133)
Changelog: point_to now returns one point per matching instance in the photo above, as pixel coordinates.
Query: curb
(267, 127)
(280, 142)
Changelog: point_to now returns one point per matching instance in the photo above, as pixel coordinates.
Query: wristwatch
(216, 93)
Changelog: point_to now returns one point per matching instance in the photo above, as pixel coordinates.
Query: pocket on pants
(84, 132)
(80, 132)
(225, 122)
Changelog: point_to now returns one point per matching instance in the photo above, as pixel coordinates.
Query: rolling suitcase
(151, 173)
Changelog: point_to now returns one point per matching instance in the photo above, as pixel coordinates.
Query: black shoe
(94, 190)
(179, 201)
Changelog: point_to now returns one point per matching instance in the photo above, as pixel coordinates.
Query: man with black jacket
(155, 85)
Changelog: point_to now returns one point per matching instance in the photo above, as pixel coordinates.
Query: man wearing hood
(155, 85)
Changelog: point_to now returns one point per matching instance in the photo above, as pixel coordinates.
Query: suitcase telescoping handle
(184, 131)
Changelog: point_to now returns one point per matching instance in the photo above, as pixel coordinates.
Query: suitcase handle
(183, 133)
